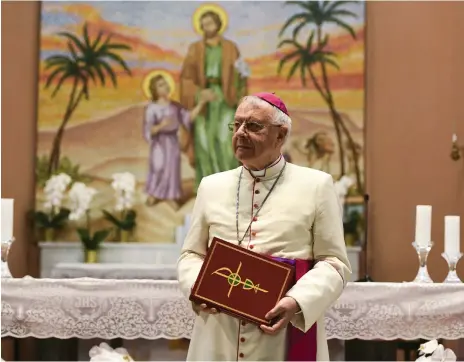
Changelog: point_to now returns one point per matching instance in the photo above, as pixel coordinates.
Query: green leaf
(84, 235)
(115, 57)
(293, 69)
(296, 18)
(97, 40)
(109, 71)
(74, 39)
(284, 60)
(60, 82)
(86, 36)
(131, 215)
(42, 219)
(100, 235)
(112, 219)
(129, 220)
(101, 75)
(118, 46)
(54, 74)
(59, 219)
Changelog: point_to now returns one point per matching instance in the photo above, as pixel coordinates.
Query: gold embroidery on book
(234, 280)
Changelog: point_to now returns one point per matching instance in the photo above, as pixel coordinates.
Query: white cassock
(300, 220)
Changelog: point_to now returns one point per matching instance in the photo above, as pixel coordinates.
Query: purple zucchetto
(273, 100)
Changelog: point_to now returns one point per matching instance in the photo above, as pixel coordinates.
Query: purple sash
(301, 346)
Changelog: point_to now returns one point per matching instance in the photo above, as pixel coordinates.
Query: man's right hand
(197, 308)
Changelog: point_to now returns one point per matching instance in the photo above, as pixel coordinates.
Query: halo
(166, 75)
(209, 7)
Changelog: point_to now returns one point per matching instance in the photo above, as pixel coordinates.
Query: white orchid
(428, 347)
(432, 351)
(242, 68)
(54, 190)
(124, 187)
(80, 196)
(104, 353)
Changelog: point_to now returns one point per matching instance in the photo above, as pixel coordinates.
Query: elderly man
(272, 207)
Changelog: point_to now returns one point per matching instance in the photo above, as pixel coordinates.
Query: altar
(87, 308)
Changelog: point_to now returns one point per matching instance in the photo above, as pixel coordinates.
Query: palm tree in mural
(87, 60)
(313, 54)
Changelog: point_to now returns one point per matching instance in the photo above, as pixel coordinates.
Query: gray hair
(278, 118)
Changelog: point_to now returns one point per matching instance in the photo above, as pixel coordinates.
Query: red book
(241, 283)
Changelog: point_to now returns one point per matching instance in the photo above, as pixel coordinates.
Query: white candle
(423, 225)
(7, 219)
(452, 237)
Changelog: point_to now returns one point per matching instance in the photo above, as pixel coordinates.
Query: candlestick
(423, 253)
(452, 260)
(452, 236)
(423, 225)
(7, 219)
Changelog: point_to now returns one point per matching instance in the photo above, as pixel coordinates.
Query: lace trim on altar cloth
(130, 309)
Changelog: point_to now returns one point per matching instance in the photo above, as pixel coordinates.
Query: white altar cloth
(115, 271)
(151, 309)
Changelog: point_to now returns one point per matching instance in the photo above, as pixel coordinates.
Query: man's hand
(197, 308)
(284, 311)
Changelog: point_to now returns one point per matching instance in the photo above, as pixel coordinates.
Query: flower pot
(126, 235)
(91, 256)
(49, 234)
(350, 239)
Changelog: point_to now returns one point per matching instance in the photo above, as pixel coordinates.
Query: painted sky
(253, 25)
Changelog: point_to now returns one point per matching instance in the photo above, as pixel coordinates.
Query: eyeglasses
(251, 127)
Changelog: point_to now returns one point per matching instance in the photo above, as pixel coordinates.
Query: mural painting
(149, 88)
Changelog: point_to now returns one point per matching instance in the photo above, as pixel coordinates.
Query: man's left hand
(284, 311)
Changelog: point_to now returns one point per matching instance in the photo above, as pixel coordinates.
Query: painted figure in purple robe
(163, 118)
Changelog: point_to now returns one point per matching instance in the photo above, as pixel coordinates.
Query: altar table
(88, 308)
(114, 271)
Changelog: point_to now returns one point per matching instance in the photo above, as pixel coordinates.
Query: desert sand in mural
(111, 139)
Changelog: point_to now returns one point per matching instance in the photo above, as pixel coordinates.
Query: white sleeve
(319, 288)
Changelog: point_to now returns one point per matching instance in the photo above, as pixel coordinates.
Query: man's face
(209, 27)
(255, 140)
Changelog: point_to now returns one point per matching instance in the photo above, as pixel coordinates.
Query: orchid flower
(124, 187)
(104, 353)
(54, 190)
(432, 351)
(80, 196)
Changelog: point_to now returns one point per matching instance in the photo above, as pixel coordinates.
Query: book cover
(241, 283)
